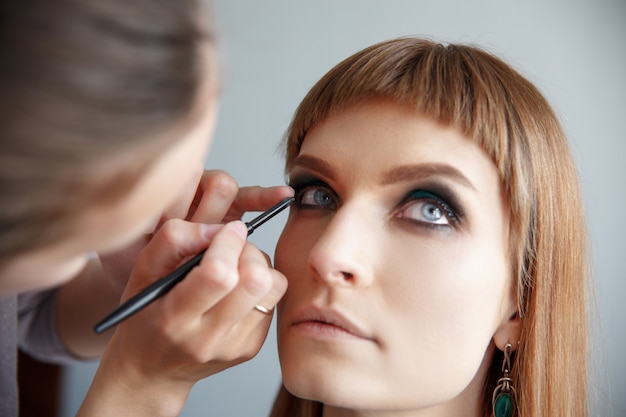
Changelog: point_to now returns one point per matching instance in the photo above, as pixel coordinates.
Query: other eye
(426, 207)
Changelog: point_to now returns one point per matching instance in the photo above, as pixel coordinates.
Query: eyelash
(439, 196)
(301, 187)
(453, 215)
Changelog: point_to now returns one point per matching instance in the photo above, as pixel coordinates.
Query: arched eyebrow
(315, 164)
(411, 172)
(402, 173)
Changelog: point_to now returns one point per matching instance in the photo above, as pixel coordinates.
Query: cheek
(459, 282)
(291, 259)
(445, 304)
(291, 254)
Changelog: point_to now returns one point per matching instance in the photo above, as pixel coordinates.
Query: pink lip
(327, 324)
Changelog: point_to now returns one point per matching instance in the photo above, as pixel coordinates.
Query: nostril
(333, 276)
(347, 276)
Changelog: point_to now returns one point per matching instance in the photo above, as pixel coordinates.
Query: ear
(510, 331)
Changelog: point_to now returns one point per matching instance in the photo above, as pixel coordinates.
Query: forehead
(380, 136)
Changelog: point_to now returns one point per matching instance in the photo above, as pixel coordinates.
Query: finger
(174, 243)
(255, 282)
(271, 299)
(215, 276)
(257, 199)
(279, 287)
(238, 322)
(214, 196)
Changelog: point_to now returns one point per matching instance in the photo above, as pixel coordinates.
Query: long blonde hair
(492, 104)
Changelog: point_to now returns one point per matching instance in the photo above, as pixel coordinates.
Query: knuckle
(169, 232)
(246, 356)
(256, 278)
(242, 353)
(220, 273)
(223, 184)
(167, 326)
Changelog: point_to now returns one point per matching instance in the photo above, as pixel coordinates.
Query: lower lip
(325, 331)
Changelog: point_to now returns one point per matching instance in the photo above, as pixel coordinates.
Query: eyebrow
(315, 164)
(402, 173)
(411, 172)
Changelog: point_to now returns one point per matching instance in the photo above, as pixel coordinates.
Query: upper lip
(330, 316)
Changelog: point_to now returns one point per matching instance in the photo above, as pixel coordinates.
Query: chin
(323, 393)
(358, 387)
(330, 385)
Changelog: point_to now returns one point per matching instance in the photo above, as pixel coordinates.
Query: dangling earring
(503, 398)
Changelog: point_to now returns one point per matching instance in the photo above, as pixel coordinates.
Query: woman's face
(396, 257)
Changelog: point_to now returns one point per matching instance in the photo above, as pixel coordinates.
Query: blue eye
(425, 212)
(426, 207)
(314, 195)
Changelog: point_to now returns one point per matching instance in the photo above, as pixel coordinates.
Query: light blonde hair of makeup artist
(492, 104)
(93, 94)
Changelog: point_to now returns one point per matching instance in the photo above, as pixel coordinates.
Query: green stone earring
(503, 398)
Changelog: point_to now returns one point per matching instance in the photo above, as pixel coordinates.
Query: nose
(345, 252)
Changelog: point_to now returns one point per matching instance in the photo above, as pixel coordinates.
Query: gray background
(272, 53)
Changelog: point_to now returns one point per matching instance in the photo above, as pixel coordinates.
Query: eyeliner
(163, 285)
